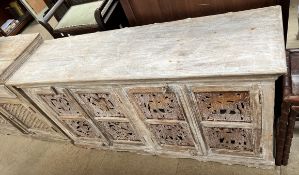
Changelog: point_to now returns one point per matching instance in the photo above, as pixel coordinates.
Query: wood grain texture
(180, 49)
(25, 117)
(14, 51)
(138, 89)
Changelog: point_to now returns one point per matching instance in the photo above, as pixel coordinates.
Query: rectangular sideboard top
(233, 44)
(14, 51)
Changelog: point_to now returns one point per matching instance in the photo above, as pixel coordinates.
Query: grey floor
(27, 156)
(21, 155)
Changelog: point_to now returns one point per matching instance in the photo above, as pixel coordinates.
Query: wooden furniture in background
(7, 12)
(17, 114)
(37, 5)
(289, 88)
(141, 12)
(175, 93)
(85, 18)
(154, 11)
(289, 108)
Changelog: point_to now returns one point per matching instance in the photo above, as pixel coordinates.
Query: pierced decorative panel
(119, 130)
(81, 128)
(159, 105)
(27, 117)
(60, 104)
(172, 134)
(101, 104)
(237, 139)
(224, 106)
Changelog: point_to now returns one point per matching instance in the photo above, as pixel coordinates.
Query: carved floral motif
(81, 128)
(119, 130)
(159, 106)
(224, 106)
(237, 139)
(101, 105)
(172, 134)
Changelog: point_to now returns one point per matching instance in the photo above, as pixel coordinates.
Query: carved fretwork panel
(24, 115)
(172, 134)
(119, 130)
(224, 106)
(101, 104)
(81, 128)
(236, 139)
(158, 105)
(60, 104)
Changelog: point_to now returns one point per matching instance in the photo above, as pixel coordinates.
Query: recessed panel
(172, 134)
(158, 105)
(224, 106)
(119, 130)
(236, 139)
(101, 105)
(81, 128)
(60, 104)
(25, 116)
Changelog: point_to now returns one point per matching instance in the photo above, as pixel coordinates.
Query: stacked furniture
(18, 115)
(165, 89)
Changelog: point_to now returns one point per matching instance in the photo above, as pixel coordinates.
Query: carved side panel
(4, 122)
(60, 104)
(81, 128)
(119, 130)
(159, 105)
(224, 106)
(24, 115)
(236, 139)
(101, 105)
(172, 134)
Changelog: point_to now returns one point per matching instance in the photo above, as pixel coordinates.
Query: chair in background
(84, 17)
(289, 108)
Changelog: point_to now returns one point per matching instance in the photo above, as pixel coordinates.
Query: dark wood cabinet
(19, 13)
(141, 12)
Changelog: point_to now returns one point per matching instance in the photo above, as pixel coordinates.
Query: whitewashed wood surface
(13, 48)
(242, 43)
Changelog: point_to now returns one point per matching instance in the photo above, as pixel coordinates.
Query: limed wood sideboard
(200, 88)
(17, 114)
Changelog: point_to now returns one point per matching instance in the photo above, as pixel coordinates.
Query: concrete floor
(27, 156)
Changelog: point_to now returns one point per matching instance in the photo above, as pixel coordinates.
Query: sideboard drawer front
(224, 106)
(230, 139)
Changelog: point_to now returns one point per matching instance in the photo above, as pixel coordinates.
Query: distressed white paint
(241, 51)
(244, 43)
